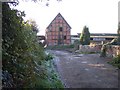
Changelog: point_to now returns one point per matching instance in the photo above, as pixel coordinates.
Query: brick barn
(58, 32)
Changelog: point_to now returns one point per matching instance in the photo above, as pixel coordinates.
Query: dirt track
(85, 71)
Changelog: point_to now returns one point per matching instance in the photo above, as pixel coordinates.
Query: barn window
(60, 29)
(64, 37)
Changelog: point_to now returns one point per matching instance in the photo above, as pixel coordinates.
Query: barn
(58, 32)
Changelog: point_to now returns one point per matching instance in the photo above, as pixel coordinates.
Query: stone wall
(90, 48)
(112, 50)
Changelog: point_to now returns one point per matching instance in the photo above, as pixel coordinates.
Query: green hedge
(23, 58)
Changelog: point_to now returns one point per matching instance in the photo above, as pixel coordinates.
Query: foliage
(22, 56)
(49, 57)
(88, 52)
(116, 41)
(52, 79)
(85, 36)
(113, 42)
(61, 47)
(103, 51)
(116, 61)
(76, 44)
(33, 25)
(47, 2)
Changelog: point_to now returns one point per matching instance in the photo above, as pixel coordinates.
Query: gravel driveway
(85, 70)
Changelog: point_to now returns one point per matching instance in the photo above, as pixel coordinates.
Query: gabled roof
(62, 18)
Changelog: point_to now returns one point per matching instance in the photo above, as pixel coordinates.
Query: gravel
(85, 71)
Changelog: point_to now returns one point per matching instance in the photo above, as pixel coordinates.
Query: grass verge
(88, 52)
(61, 47)
(51, 79)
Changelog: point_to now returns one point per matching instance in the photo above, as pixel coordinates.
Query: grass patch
(49, 57)
(115, 62)
(88, 52)
(52, 77)
(52, 80)
(61, 47)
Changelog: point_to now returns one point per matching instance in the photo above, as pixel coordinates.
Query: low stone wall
(113, 50)
(90, 48)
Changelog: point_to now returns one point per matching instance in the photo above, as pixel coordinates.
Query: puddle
(61, 53)
(84, 62)
(96, 76)
(86, 69)
(99, 80)
(78, 55)
(104, 68)
(67, 62)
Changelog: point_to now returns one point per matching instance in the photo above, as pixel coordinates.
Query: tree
(33, 25)
(103, 50)
(22, 56)
(20, 51)
(85, 36)
(16, 2)
(76, 44)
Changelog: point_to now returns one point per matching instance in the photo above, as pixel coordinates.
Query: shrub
(85, 36)
(21, 53)
(116, 61)
(49, 57)
(23, 57)
(103, 51)
(61, 47)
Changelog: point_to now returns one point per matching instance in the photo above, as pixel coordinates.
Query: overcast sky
(101, 16)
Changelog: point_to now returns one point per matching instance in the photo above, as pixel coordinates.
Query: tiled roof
(62, 18)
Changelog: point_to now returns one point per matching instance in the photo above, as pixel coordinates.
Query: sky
(100, 16)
